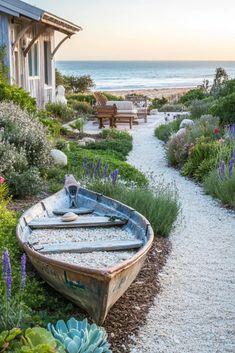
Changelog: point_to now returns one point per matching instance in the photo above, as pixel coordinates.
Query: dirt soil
(129, 313)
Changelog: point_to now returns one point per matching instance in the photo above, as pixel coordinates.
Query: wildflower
(97, 168)
(114, 176)
(221, 169)
(232, 131)
(231, 166)
(2, 180)
(216, 131)
(6, 266)
(105, 173)
(23, 271)
(221, 141)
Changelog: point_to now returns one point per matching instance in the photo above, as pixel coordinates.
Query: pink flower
(221, 140)
(2, 180)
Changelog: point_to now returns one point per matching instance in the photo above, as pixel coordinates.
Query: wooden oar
(85, 247)
(96, 221)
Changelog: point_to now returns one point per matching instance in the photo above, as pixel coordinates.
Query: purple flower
(221, 169)
(231, 166)
(114, 176)
(232, 130)
(97, 168)
(6, 266)
(22, 271)
(105, 172)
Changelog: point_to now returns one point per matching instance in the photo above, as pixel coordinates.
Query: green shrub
(24, 148)
(78, 124)
(200, 107)
(227, 88)
(55, 128)
(161, 207)
(163, 132)
(27, 183)
(179, 146)
(173, 108)
(81, 97)
(116, 141)
(60, 111)
(201, 160)
(18, 96)
(225, 109)
(222, 189)
(79, 83)
(177, 150)
(81, 107)
(192, 95)
(157, 103)
(122, 148)
(112, 97)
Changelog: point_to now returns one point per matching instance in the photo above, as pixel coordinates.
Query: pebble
(195, 307)
(95, 259)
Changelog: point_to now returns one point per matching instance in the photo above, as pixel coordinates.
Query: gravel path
(195, 311)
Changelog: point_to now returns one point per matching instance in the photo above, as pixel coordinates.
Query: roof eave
(60, 24)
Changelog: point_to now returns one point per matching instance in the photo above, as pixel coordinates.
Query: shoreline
(171, 93)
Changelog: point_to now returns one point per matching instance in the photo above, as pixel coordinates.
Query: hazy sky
(147, 29)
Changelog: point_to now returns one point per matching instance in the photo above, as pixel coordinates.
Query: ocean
(131, 75)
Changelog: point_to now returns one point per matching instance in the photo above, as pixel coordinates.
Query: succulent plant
(80, 336)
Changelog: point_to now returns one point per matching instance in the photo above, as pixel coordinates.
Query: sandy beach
(170, 93)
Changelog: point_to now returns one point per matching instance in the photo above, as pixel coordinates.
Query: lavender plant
(13, 311)
(98, 171)
(226, 172)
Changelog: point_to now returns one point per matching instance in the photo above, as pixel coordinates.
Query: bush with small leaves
(24, 149)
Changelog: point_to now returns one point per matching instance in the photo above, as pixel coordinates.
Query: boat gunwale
(108, 272)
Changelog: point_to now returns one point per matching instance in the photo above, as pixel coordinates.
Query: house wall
(18, 64)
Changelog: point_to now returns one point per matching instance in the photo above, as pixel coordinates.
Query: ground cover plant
(164, 131)
(113, 140)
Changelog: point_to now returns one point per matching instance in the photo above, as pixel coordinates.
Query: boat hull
(95, 293)
(94, 290)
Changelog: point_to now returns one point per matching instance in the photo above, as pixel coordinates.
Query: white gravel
(195, 311)
(47, 236)
(95, 259)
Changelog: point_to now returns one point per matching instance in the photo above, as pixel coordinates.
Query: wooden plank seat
(87, 246)
(56, 222)
(78, 211)
(104, 112)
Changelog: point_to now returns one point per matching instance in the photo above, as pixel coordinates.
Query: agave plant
(80, 336)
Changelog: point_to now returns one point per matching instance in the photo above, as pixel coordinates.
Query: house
(28, 34)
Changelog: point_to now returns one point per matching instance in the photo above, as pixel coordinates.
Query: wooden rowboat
(93, 288)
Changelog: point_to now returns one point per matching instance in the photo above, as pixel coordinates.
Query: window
(33, 60)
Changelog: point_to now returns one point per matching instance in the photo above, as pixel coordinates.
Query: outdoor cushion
(133, 111)
(122, 105)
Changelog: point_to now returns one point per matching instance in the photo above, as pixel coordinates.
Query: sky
(147, 29)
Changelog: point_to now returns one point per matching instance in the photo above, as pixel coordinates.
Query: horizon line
(149, 60)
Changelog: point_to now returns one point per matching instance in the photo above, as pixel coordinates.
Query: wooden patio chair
(141, 104)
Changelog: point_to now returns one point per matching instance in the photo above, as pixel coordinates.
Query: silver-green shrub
(24, 149)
